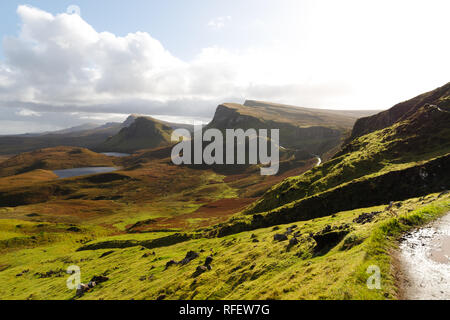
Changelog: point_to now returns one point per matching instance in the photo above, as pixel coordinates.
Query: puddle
(76, 172)
(425, 262)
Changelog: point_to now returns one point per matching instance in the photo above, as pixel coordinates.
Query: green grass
(242, 269)
(405, 144)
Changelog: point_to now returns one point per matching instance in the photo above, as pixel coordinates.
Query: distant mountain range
(315, 131)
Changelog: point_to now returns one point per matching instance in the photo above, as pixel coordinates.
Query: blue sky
(179, 59)
(181, 25)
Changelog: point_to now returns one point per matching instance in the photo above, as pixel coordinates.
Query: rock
(275, 228)
(199, 271)
(365, 217)
(191, 255)
(74, 229)
(208, 260)
(255, 240)
(99, 279)
(280, 237)
(31, 215)
(293, 242)
(170, 263)
(253, 236)
(325, 241)
(22, 273)
(82, 288)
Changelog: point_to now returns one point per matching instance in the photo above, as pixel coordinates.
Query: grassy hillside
(422, 136)
(248, 265)
(154, 230)
(143, 133)
(53, 159)
(439, 97)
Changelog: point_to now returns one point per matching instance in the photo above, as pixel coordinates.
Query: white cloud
(60, 61)
(373, 59)
(28, 113)
(219, 22)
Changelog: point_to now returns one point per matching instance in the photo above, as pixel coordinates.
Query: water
(425, 260)
(116, 154)
(76, 172)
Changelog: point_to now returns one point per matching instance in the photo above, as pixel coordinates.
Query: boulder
(293, 242)
(191, 255)
(99, 279)
(208, 260)
(81, 289)
(199, 271)
(280, 237)
(170, 263)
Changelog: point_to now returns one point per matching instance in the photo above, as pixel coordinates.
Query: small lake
(116, 154)
(76, 172)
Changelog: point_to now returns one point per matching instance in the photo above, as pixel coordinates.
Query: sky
(64, 63)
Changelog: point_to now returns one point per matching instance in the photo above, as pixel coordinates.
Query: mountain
(314, 131)
(83, 127)
(86, 138)
(409, 158)
(141, 133)
(439, 97)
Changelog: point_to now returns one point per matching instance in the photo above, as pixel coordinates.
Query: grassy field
(247, 265)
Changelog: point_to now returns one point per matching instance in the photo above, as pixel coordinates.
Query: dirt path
(424, 262)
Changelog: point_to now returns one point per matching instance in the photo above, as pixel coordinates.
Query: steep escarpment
(298, 130)
(439, 97)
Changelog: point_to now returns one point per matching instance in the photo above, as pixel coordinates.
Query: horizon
(59, 69)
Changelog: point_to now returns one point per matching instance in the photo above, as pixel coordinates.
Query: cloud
(28, 113)
(61, 63)
(219, 22)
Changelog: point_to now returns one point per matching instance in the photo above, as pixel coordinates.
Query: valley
(351, 184)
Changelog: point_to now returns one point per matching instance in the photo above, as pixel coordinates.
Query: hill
(53, 159)
(142, 133)
(153, 230)
(314, 131)
(409, 158)
(87, 138)
(439, 97)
